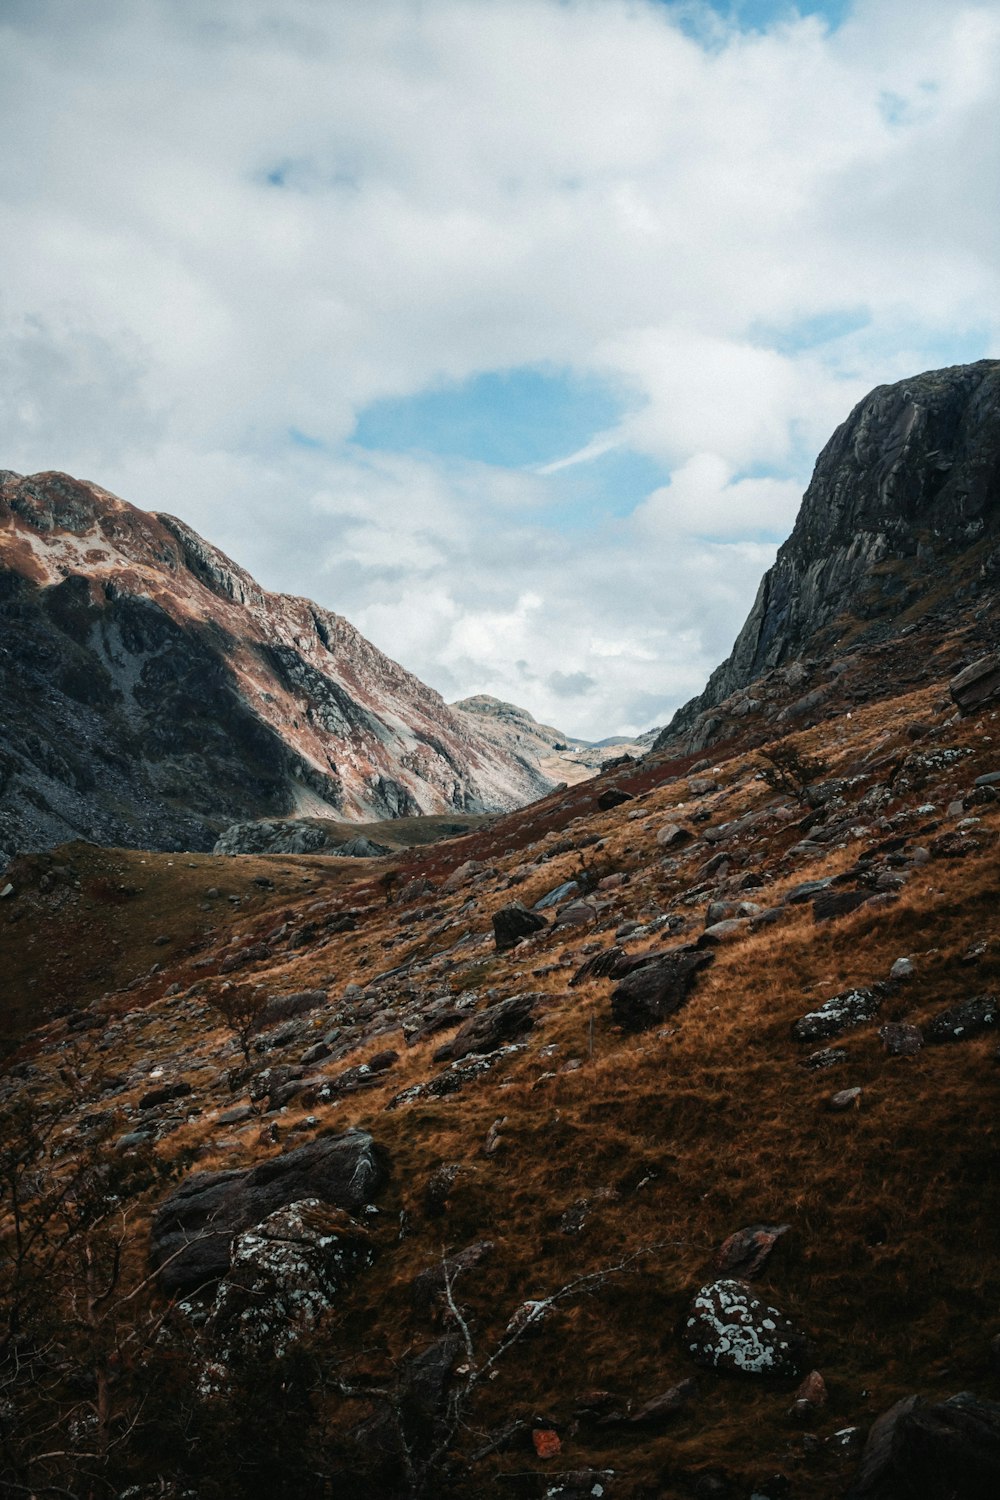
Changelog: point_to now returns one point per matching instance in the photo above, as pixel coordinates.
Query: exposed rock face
(154, 693)
(194, 1228)
(558, 755)
(911, 476)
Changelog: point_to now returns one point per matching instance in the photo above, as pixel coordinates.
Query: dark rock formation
(490, 1028)
(194, 1228)
(514, 922)
(840, 1013)
(654, 992)
(910, 478)
(964, 1020)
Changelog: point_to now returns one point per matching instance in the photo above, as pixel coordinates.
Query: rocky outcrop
(194, 1228)
(909, 481)
(154, 694)
(559, 756)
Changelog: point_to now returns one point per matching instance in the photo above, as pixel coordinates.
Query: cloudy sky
(509, 329)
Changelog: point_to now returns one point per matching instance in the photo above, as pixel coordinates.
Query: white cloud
(460, 187)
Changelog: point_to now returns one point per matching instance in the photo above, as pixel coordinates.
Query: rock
(654, 1413)
(7, 891)
(577, 914)
(284, 1273)
(977, 685)
(900, 1039)
(810, 1396)
(723, 932)
(744, 1253)
(729, 1328)
(903, 968)
(580, 1484)
(613, 797)
(805, 891)
(558, 896)
(948, 1448)
(965, 1020)
(845, 1099)
(165, 1095)
(194, 1227)
(840, 1013)
(286, 1007)
(514, 922)
(490, 1028)
(430, 1284)
(826, 1057)
(657, 990)
(546, 1443)
(828, 905)
(364, 1075)
(612, 963)
(877, 1453)
(461, 875)
(361, 848)
(674, 836)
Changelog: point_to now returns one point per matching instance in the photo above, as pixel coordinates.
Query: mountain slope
(901, 516)
(558, 755)
(154, 693)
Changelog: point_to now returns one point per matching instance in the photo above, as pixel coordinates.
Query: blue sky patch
(759, 15)
(516, 419)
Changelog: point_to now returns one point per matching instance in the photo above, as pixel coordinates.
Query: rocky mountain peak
(907, 484)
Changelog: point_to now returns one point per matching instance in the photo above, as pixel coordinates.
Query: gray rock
(193, 1229)
(901, 1039)
(948, 1448)
(976, 686)
(903, 968)
(557, 896)
(729, 1328)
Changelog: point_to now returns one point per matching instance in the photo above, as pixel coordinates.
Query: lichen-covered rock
(840, 1013)
(194, 1227)
(284, 1274)
(729, 1328)
(965, 1020)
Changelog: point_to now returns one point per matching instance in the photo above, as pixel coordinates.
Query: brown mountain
(154, 693)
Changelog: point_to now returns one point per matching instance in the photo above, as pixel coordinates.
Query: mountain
(639, 1143)
(559, 756)
(154, 693)
(900, 521)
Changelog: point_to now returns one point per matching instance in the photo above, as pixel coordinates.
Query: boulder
(557, 896)
(828, 905)
(514, 922)
(662, 1408)
(194, 1227)
(283, 1274)
(840, 1013)
(650, 994)
(674, 836)
(613, 797)
(977, 685)
(948, 1448)
(901, 1039)
(490, 1028)
(876, 1455)
(729, 1328)
(965, 1020)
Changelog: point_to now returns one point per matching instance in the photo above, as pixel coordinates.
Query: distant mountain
(559, 756)
(153, 693)
(901, 519)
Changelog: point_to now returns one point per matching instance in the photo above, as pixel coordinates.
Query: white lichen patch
(734, 1330)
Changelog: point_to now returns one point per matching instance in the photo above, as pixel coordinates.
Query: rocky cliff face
(154, 693)
(908, 484)
(559, 756)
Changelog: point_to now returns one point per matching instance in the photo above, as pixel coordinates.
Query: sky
(509, 329)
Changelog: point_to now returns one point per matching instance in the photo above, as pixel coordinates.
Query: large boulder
(654, 992)
(283, 1275)
(490, 1028)
(729, 1328)
(514, 922)
(977, 685)
(940, 1450)
(194, 1228)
